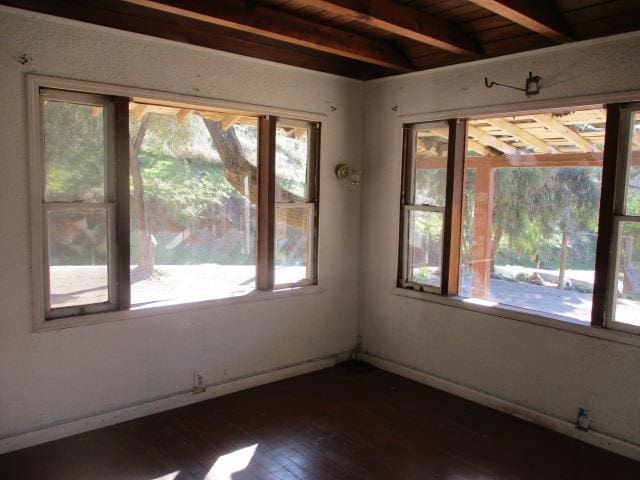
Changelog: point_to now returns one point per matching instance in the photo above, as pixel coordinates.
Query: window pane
(424, 255)
(292, 164)
(632, 204)
(627, 307)
(193, 215)
(530, 218)
(74, 152)
(431, 165)
(293, 245)
(78, 256)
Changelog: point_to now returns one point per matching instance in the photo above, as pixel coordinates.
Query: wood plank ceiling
(362, 39)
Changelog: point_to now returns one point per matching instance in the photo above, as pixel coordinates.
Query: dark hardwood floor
(332, 424)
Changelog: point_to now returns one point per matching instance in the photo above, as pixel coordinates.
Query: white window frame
(109, 203)
(409, 205)
(625, 152)
(34, 83)
(310, 195)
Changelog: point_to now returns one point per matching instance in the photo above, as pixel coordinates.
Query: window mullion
(452, 222)
(122, 226)
(266, 202)
(404, 183)
(605, 248)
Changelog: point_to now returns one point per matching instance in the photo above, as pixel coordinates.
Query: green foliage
(189, 189)
(74, 152)
(533, 206)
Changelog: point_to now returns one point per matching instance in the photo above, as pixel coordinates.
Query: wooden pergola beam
(522, 134)
(490, 141)
(273, 24)
(477, 147)
(183, 114)
(403, 20)
(536, 16)
(547, 160)
(553, 124)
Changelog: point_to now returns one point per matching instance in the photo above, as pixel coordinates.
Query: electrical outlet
(198, 382)
(583, 420)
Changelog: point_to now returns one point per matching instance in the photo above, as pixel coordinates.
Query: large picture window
(144, 203)
(531, 218)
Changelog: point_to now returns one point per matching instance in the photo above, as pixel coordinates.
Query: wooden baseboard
(179, 399)
(559, 425)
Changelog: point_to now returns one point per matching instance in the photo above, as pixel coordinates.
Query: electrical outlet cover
(583, 420)
(198, 382)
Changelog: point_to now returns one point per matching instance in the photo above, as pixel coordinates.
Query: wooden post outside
(563, 260)
(482, 227)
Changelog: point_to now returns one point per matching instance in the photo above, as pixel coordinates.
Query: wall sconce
(532, 85)
(353, 177)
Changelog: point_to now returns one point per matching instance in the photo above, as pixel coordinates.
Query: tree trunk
(237, 168)
(146, 242)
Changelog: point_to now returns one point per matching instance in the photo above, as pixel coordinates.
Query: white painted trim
(547, 320)
(169, 402)
(529, 106)
(164, 308)
(556, 424)
(34, 82)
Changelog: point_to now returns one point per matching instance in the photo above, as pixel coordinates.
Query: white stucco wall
(57, 376)
(548, 370)
(54, 377)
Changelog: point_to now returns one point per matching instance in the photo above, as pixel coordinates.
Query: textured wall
(548, 370)
(57, 376)
(61, 375)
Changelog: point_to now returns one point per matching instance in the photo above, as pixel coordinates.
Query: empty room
(320, 239)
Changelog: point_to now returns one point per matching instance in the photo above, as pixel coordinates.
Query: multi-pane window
(78, 202)
(424, 204)
(295, 203)
(151, 204)
(525, 222)
(625, 288)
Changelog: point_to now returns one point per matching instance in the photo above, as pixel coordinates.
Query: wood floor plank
(332, 424)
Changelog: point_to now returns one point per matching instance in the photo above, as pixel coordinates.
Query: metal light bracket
(532, 85)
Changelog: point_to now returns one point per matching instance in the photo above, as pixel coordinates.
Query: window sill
(166, 308)
(522, 315)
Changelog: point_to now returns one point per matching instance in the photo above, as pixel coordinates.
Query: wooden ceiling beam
(277, 25)
(534, 15)
(403, 20)
(132, 18)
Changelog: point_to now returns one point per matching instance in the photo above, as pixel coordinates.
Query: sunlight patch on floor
(231, 463)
